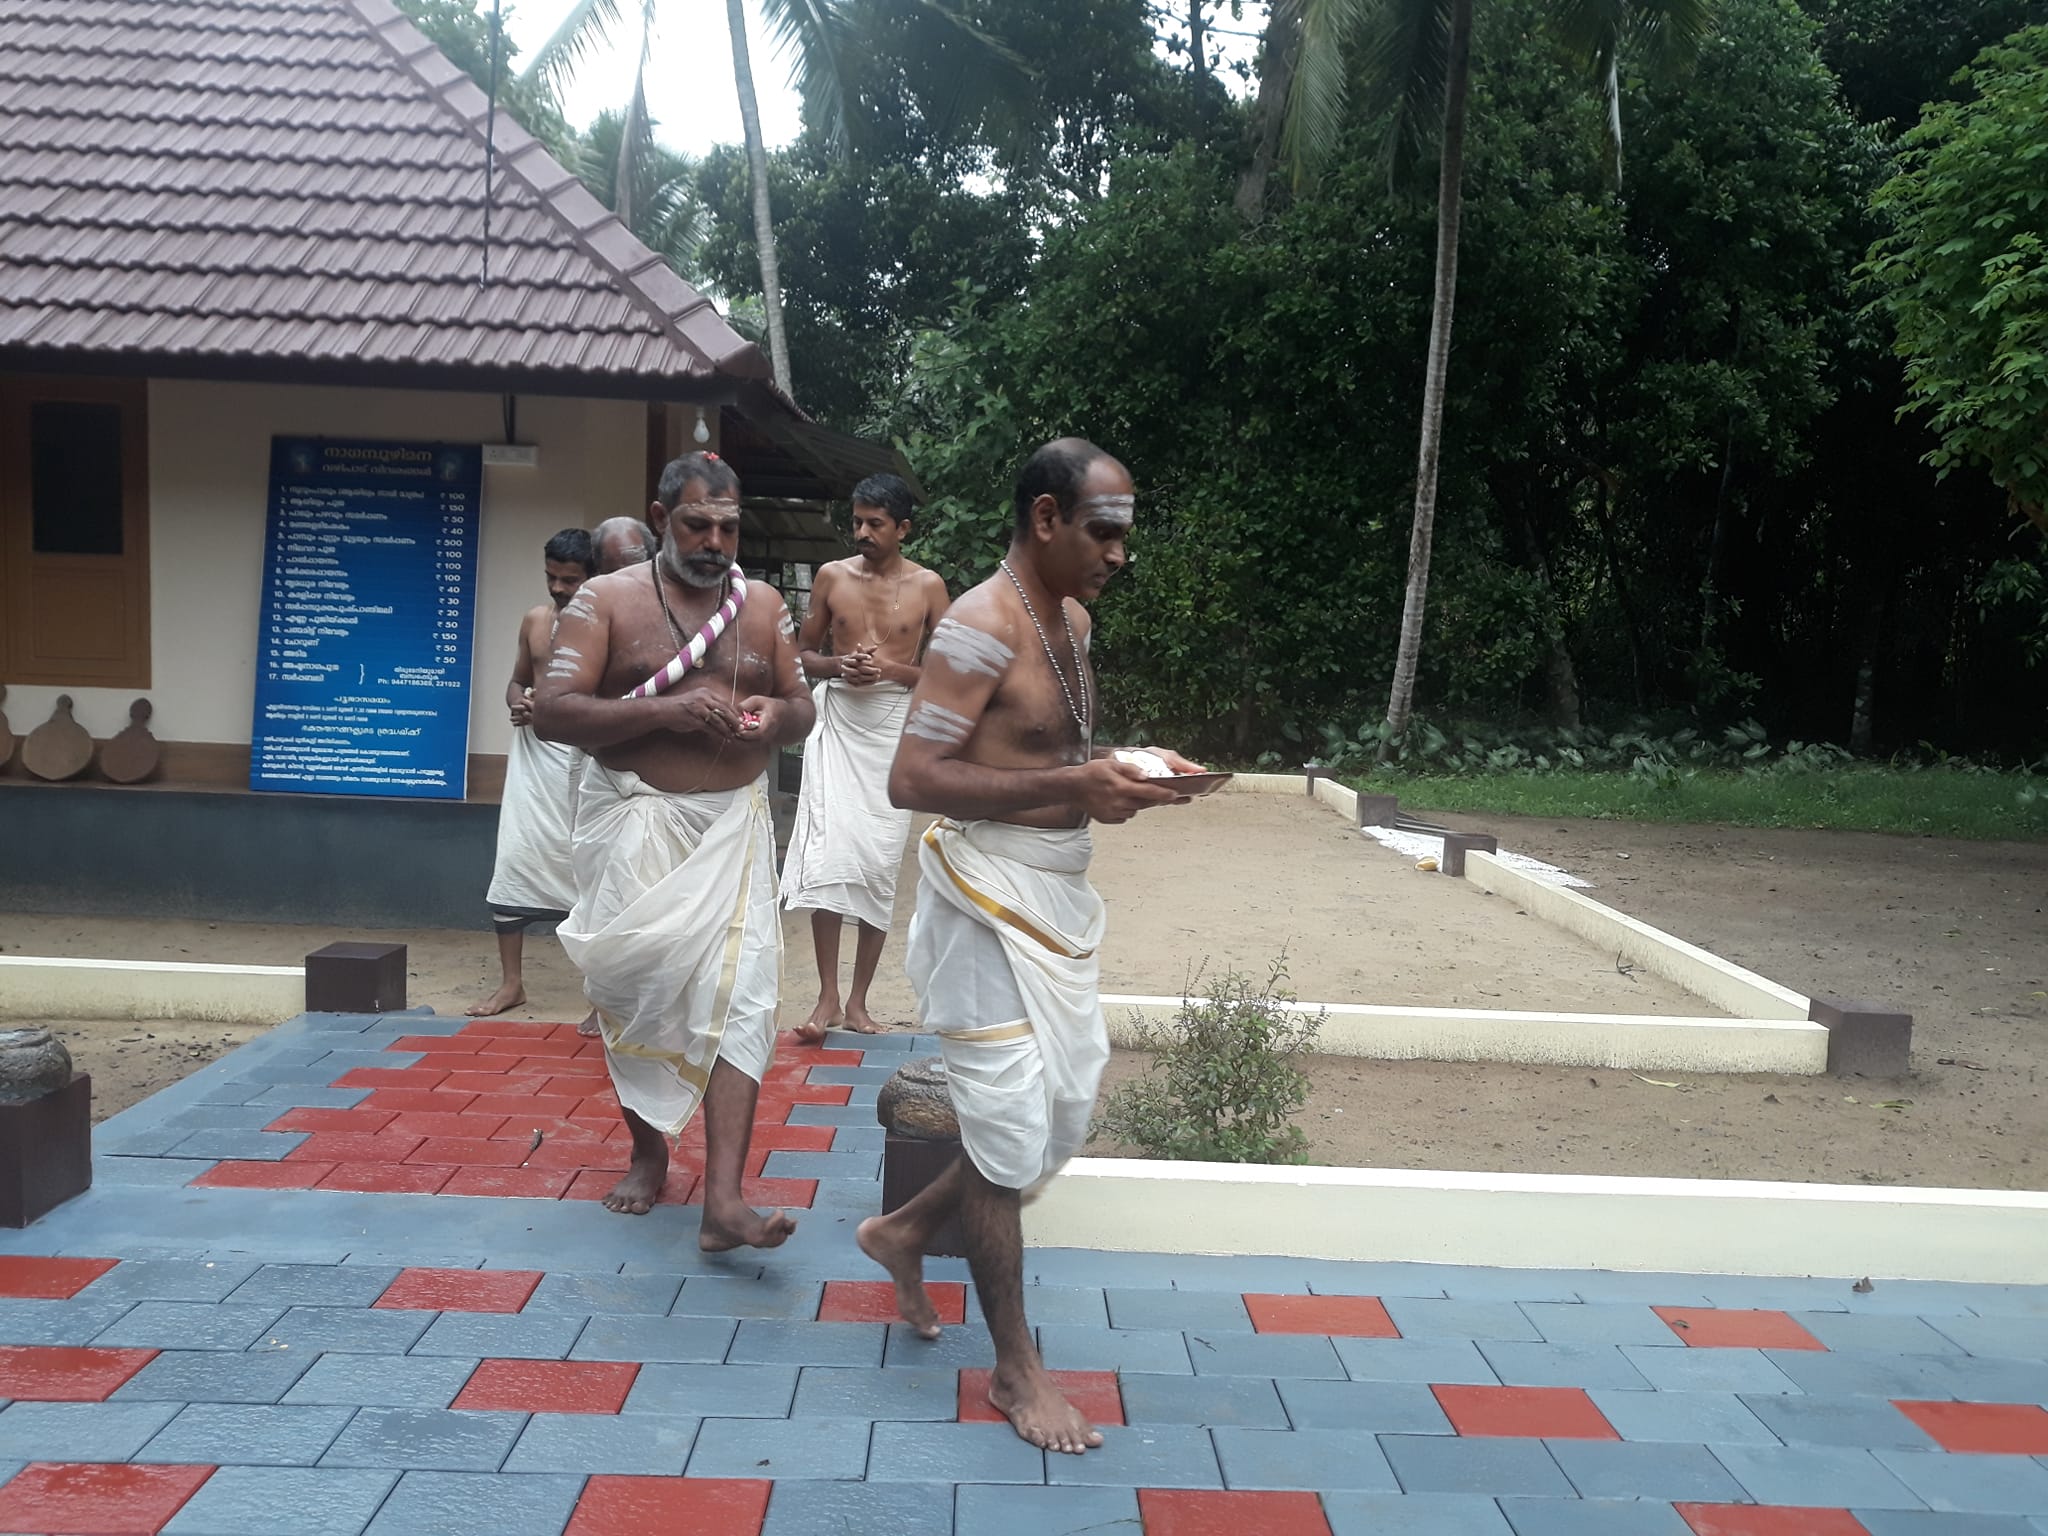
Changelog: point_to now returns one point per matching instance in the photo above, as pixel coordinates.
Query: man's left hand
(760, 716)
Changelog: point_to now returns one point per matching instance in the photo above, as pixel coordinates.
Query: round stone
(33, 1062)
(916, 1101)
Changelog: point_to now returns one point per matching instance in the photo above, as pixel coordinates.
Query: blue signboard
(369, 593)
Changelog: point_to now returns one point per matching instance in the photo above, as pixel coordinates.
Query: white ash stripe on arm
(579, 607)
(787, 626)
(967, 649)
(935, 722)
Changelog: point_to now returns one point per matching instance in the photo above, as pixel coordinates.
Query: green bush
(1223, 1085)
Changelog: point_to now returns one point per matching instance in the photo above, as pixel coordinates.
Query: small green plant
(1223, 1085)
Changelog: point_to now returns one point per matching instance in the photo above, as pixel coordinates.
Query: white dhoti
(531, 876)
(676, 934)
(847, 844)
(1003, 955)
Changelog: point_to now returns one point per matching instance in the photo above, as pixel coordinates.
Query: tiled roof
(217, 184)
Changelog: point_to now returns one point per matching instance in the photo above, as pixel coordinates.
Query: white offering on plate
(1150, 763)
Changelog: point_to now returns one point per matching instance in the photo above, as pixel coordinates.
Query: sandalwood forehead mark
(935, 722)
(970, 650)
(1109, 509)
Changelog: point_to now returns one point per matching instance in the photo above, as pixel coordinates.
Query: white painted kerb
(1550, 1221)
(33, 987)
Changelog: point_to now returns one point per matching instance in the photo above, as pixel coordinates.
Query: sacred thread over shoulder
(969, 650)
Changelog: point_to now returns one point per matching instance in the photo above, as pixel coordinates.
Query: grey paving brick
(714, 1296)
(1621, 1469)
(167, 1280)
(1985, 1485)
(1264, 1354)
(963, 1348)
(1082, 1306)
(2010, 1301)
(1485, 1282)
(1141, 1456)
(605, 1295)
(315, 1285)
(773, 1341)
(701, 1339)
(1091, 1266)
(1876, 1333)
(79, 1431)
(1377, 1407)
(1920, 1522)
(430, 1439)
(2020, 1338)
(833, 1114)
(300, 1096)
(345, 1330)
(1987, 1379)
(249, 1436)
(1421, 1318)
(502, 1336)
(636, 1444)
(1685, 1418)
(1588, 1517)
(1115, 1349)
(1444, 1362)
(1335, 1277)
(1413, 1514)
(860, 1138)
(245, 1146)
(229, 1090)
(905, 1452)
(1301, 1458)
(72, 1322)
(1816, 1475)
(1182, 1310)
(831, 1509)
(464, 1503)
(152, 1141)
(1869, 1423)
(189, 1325)
(1858, 1374)
(1453, 1464)
(830, 1449)
(382, 1381)
(262, 1501)
(1708, 1370)
(221, 1117)
(1580, 1323)
(1017, 1510)
(1649, 1288)
(1562, 1365)
(832, 1393)
(851, 1077)
(215, 1376)
(154, 1172)
(823, 1165)
(1776, 1294)
(1207, 1400)
(714, 1391)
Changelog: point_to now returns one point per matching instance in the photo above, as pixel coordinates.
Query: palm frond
(970, 77)
(815, 37)
(636, 145)
(1315, 106)
(1664, 33)
(587, 26)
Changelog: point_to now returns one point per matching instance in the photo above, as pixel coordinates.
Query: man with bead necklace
(1000, 744)
(679, 679)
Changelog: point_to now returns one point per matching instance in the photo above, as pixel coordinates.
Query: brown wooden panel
(77, 618)
(487, 776)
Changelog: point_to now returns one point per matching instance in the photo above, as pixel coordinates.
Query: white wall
(209, 467)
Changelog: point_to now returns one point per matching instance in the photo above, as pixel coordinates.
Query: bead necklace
(1073, 649)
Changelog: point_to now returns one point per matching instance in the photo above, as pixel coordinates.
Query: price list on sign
(369, 596)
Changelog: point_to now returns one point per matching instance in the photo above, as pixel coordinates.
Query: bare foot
(905, 1264)
(505, 999)
(860, 1022)
(823, 1017)
(635, 1194)
(1041, 1414)
(743, 1228)
(589, 1026)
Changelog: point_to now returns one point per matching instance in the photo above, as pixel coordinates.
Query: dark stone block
(1865, 1039)
(1378, 810)
(45, 1152)
(1312, 772)
(356, 978)
(909, 1163)
(1458, 844)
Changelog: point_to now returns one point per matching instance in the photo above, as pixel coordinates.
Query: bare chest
(643, 642)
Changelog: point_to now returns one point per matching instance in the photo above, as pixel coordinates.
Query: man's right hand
(522, 710)
(1114, 791)
(859, 667)
(703, 712)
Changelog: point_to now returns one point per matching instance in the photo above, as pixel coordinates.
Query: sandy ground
(1951, 931)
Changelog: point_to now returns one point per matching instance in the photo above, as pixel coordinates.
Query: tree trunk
(757, 171)
(626, 171)
(1717, 547)
(1449, 206)
(1863, 713)
(1560, 676)
(1198, 44)
(1602, 485)
(1269, 115)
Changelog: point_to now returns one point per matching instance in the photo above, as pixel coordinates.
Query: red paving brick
(358, 1122)
(461, 1045)
(389, 1077)
(1726, 1328)
(575, 1152)
(1095, 1393)
(1208, 1512)
(512, 1183)
(49, 1279)
(671, 1506)
(792, 1138)
(874, 1301)
(1550, 1413)
(1768, 1520)
(547, 1386)
(1350, 1317)
(1992, 1429)
(96, 1499)
(354, 1147)
(460, 1290)
(773, 1192)
(506, 1029)
(446, 1061)
(680, 1188)
(468, 1152)
(284, 1175)
(437, 1099)
(499, 1085)
(428, 1123)
(385, 1178)
(548, 1108)
(42, 1373)
(548, 1049)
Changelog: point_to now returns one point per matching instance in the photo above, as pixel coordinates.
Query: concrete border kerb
(40, 987)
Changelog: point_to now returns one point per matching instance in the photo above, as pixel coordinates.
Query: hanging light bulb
(701, 432)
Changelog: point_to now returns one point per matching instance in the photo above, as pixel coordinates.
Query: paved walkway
(334, 1284)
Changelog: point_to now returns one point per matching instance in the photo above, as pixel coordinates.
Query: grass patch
(1934, 801)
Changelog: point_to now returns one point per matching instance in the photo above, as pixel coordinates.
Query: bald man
(622, 541)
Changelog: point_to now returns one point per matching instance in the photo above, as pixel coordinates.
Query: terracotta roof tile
(270, 181)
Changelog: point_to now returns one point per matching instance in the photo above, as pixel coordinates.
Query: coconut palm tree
(660, 203)
(1416, 57)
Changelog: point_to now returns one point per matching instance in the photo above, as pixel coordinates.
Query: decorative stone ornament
(33, 1062)
(917, 1102)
